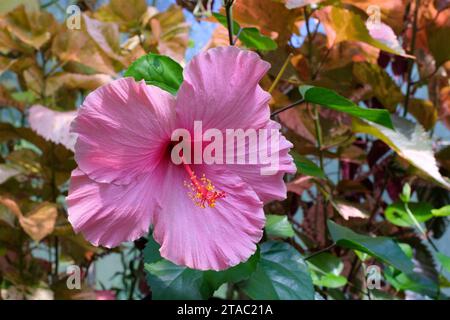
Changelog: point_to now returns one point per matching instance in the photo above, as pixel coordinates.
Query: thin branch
(280, 74)
(411, 62)
(320, 251)
(292, 105)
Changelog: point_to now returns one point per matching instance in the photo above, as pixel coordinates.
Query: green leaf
(441, 212)
(27, 97)
(250, 37)
(157, 70)
(253, 39)
(281, 275)
(396, 213)
(307, 167)
(329, 280)
(223, 21)
(383, 248)
(410, 142)
(171, 282)
(326, 263)
(444, 260)
(151, 251)
(330, 99)
(278, 226)
(412, 282)
(214, 279)
(325, 270)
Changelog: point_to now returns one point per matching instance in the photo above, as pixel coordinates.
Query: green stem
(318, 129)
(419, 227)
(229, 12)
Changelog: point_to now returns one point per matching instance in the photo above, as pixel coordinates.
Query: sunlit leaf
(160, 71)
(330, 99)
(410, 141)
(350, 27)
(53, 125)
(40, 222)
(350, 210)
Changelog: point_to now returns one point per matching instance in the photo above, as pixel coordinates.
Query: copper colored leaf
(127, 13)
(53, 125)
(268, 16)
(33, 28)
(424, 111)
(40, 222)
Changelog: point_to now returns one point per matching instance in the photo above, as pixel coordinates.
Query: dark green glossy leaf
(170, 281)
(281, 274)
(157, 70)
(383, 248)
(330, 99)
(214, 279)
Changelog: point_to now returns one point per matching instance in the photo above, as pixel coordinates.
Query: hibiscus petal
(108, 214)
(221, 89)
(268, 187)
(210, 238)
(123, 128)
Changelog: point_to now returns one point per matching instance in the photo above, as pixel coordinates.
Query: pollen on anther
(202, 192)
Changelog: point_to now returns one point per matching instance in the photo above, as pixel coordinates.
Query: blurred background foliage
(385, 190)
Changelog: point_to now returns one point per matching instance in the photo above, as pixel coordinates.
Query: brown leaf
(383, 87)
(75, 81)
(53, 125)
(444, 111)
(392, 11)
(424, 111)
(127, 13)
(33, 28)
(299, 185)
(269, 16)
(96, 45)
(293, 119)
(11, 205)
(40, 222)
(169, 33)
(350, 210)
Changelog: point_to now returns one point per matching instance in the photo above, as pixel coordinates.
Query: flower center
(201, 190)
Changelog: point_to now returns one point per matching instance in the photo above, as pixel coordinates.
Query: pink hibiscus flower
(126, 180)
